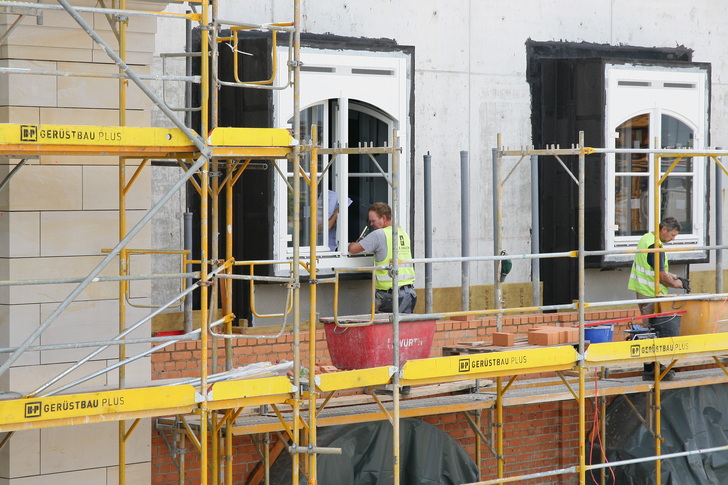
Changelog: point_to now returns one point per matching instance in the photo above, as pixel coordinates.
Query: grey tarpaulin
(429, 456)
(692, 418)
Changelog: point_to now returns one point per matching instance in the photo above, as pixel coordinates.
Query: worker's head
(380, 215)
(669, 229)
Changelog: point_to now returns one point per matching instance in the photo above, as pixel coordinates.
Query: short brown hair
(381, 209)
(671, 224)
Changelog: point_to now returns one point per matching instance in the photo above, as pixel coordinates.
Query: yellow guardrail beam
(668, 348)
(352, 379)
(91, 135)
(250, 137)
(136, 141)
(249, 388)
(491, 364)
(104, 405)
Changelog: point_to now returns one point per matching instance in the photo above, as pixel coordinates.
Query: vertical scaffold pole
(582, 367)
(656, 161)
(497, 193)
(719, 201)
(395, 307)
(535, 234)
(227, 310)
(497, 219)
(313, 239)
(296, 235)
(427, 159)
(465, 229)
(214, 238)
(123, 285)
(204, 270)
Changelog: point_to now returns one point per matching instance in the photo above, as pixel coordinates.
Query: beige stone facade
(57, 216)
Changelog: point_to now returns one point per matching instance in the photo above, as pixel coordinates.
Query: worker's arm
(670, 280)
(667, 279)
(355, 248)
(333, 218)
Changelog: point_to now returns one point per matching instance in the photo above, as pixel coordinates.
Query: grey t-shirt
(375, 242)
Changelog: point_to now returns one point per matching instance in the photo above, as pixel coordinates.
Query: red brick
(464, 318)
(544, 337)
(504, 339)
(572, 334)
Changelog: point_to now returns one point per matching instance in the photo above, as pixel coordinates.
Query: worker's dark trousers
(407, 300)
(664, 327)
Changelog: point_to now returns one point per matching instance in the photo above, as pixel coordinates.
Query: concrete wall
(470, 85)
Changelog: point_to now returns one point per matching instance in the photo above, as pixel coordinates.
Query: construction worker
(642, 281)
(379, 242)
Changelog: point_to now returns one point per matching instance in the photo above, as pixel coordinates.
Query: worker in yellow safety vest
(642, 278)
(642, 281)
(379, 242)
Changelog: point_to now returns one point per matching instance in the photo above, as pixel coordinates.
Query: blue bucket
(599, 334)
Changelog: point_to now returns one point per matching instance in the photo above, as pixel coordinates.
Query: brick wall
(538, 437)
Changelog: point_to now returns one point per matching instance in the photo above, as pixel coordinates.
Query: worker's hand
(684, 283)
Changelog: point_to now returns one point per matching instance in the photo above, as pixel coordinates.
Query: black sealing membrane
(429, 456)
(692, 419)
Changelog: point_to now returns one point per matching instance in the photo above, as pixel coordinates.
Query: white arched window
(352, 99)
(651, 107)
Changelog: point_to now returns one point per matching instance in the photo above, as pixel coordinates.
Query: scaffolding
(207, 409)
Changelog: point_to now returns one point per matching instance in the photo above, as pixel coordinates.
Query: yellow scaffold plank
(38, 412)
(492, 364)
(250, 388)
(353, 379)
(662, 348)
(250, 137)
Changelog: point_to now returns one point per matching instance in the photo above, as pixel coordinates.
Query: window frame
(632, 90)
(377, 83)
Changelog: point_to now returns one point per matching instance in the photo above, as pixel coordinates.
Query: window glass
(314, 115)
(677, 190)
(632, 177)
(364, 174)
(366, 181)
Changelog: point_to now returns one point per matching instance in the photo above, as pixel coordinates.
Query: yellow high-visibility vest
(406, 272)
(642, 278)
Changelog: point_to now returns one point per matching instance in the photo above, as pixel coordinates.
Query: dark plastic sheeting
(692, 418)
(429, 456)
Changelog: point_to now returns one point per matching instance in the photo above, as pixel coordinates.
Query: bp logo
(634, 350)
(32, 409)
(28, 133)
(464, 365)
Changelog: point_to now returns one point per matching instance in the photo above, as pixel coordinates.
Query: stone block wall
(57, 215)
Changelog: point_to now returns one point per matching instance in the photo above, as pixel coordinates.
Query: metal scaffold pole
(296, 425)
(396, 458)
(204, 249)
(313, 293)
(123, 285)
(582, 367)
